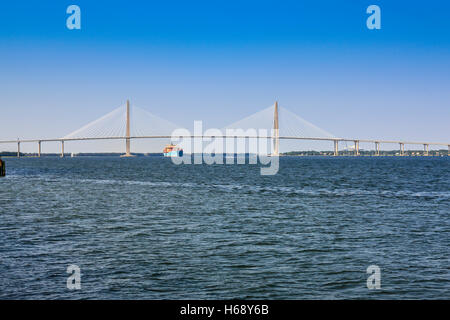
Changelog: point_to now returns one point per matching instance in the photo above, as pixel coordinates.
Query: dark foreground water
(146, 228)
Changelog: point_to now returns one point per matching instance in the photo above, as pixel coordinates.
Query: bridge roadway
(335, 140)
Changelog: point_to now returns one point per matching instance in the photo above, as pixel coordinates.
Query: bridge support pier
(39, 149)
(356, 148)
(377, 148)
(425, 149)
(402, 149)
(62, 148)
(18, 149)
(336, 148)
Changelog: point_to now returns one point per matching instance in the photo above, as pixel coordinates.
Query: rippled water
(146, 228)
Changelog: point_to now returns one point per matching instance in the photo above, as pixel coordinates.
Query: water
(144, 228)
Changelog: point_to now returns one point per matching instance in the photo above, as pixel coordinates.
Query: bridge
(284, 125)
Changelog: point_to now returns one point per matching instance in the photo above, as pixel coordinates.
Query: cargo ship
(172, 151)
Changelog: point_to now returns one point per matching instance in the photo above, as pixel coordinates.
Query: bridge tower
(276, 131)
(127, 140)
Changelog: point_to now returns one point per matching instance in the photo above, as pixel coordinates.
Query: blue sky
(219, 61)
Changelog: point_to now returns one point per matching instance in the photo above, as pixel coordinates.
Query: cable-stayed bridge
(126, 123)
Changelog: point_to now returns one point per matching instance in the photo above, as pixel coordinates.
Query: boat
(172, 151)
(2, 168)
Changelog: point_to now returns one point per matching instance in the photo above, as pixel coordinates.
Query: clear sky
(219, 61)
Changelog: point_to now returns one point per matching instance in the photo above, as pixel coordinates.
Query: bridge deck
(227, 136)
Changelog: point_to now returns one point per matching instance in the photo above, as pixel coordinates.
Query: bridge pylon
(276, 131)
(127, 140)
